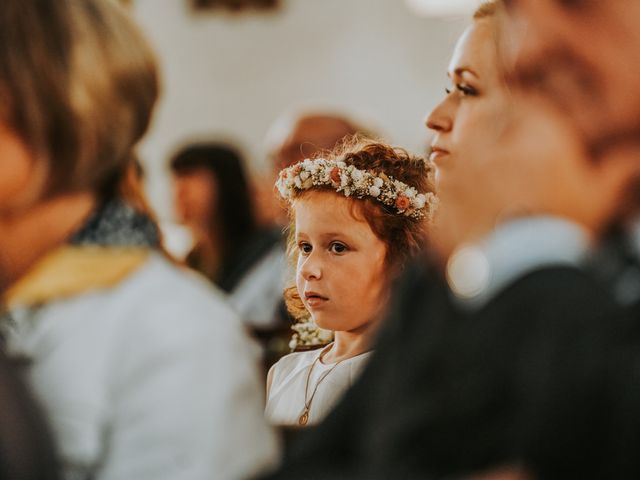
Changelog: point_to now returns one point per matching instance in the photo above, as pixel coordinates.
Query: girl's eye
(305, 248)
(337, 247)
(466, 90)
(448, 91)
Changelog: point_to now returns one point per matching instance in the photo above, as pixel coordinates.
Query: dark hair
(77, 84)
(235, 209)
(402, 235)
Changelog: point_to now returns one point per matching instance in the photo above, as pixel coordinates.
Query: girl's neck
(348, 345)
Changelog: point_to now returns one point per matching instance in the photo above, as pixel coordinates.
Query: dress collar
(110, 245)
(478, 272)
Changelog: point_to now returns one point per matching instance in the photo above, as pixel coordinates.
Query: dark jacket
(449, 391)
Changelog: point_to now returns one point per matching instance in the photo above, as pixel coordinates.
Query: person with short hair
(142, 370)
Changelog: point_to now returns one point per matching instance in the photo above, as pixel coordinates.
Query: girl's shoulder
(293, 362)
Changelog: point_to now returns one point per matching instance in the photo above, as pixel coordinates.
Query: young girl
(357, 215)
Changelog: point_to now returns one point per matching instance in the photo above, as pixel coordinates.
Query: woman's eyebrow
(460, 70)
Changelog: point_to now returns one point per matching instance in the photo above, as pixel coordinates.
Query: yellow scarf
(71, 270)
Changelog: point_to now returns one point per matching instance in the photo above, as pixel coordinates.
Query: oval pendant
(304, 418)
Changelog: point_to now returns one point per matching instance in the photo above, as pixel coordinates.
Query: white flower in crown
(345, 180)
(410, 193)
(307, 333)
(351, 181)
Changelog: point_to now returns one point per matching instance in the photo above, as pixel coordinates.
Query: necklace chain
(304, 418)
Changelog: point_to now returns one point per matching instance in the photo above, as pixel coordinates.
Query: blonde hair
(487, 9)
(78, 83)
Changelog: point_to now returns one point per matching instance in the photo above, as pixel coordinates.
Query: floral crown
(351, 181)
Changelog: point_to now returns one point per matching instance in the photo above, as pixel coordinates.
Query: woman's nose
(440, 119)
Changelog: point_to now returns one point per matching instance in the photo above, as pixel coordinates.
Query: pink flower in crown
(297, 169)
(335, 175)
(402, 202)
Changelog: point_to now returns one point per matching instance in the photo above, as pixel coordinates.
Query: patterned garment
(113, 224)
(116, 223)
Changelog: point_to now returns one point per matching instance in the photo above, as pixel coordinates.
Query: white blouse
(151, 379)
(297, 371)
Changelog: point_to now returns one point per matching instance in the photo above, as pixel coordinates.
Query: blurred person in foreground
(142, 369)
(213, 199)
(27, 450)
(581, 57)
(465, 357)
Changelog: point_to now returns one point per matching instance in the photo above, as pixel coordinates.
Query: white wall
(233, 75)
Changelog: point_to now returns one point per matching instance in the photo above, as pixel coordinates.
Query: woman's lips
(314, 300)
(437, 153)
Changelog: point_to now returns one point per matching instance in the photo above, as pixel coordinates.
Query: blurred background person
(213, 199)
(142, 369)
(291, 139)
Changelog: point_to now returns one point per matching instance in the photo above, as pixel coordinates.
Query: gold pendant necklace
(304, 417)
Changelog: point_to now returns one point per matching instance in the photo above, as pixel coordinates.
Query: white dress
(286, 396)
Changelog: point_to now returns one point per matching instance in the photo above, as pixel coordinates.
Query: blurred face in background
(502, 153)
(583, 56)
(340, 275)
(195, 199)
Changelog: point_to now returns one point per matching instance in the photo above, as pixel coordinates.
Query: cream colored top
(286, 395)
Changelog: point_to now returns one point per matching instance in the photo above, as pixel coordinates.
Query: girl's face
(340, 273)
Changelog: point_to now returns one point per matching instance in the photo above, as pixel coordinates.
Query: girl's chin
(334, 325)
(326, 323)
